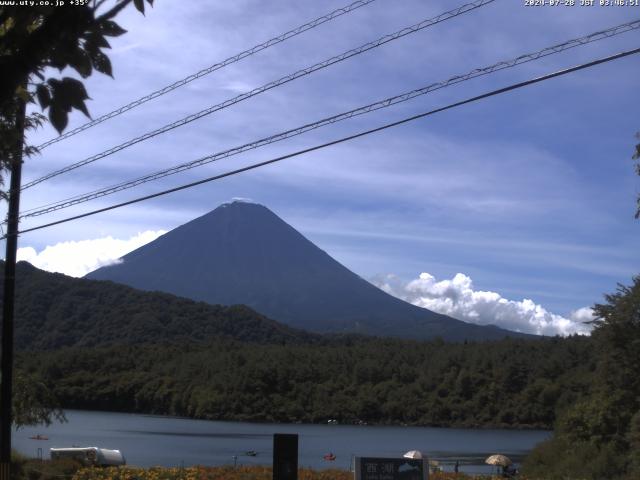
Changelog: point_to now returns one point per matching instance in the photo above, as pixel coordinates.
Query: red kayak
(39, 437)
(330, 457)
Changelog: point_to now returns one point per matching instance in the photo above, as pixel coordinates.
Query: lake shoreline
(250, 419)
(152, 440)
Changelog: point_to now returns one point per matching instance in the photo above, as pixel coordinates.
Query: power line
(341, 140)
(334, 119)
(276, 83)
(216, 66)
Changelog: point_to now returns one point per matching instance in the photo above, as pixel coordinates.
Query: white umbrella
(499, 460)
(413, 454)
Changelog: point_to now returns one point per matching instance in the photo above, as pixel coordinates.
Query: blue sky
(530, 194)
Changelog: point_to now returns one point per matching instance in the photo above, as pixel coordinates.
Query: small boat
(251, 453)
(330, 457)
(38, 437)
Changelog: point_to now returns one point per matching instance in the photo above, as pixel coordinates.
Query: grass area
(32, 469)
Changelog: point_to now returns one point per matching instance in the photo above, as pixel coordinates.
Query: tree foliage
(601, 432)
(33, 40)
(510, 383)
(11, 143)
(33, 401)
(38, 37)
(636, 156)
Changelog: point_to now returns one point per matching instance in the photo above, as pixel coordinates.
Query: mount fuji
(243, 253)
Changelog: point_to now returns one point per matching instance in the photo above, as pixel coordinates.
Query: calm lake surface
(148, 440)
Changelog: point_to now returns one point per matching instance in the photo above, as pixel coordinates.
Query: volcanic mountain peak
(243, 253)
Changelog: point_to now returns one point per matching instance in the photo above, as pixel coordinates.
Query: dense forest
(511, 383)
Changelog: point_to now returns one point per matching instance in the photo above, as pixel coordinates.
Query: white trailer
(90, 455)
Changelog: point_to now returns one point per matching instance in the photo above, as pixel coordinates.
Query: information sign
(375, 468)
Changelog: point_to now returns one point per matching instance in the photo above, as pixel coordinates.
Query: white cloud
(582, 315)
(77, 258)
(458, 299)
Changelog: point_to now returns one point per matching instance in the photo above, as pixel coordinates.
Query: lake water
(148, 440)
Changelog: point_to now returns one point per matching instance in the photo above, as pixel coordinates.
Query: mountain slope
(242, 253)
(54, 311)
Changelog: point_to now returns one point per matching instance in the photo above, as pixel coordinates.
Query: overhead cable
(528, 57)
(216, 66)
(340, 140)
(276, 83)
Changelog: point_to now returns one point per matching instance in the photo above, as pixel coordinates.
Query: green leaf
(57, 59)
(79, 105)
(111, 28)
(60, 95)
(75, 88)
(58, 117)
(101, 63)
(81, 61)
(95, 40)
(44, 97)
(72, 95)
(65, 96)
(139, 4)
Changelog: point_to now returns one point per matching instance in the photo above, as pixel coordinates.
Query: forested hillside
(55, 311)
(513, 383)
(100, 345)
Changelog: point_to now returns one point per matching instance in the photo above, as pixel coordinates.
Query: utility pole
(6, 365)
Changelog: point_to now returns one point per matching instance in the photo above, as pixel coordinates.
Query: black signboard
(370, 468)
(285, 456)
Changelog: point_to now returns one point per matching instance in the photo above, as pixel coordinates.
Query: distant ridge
(242, 253)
